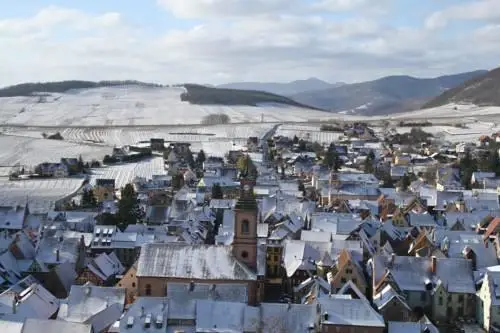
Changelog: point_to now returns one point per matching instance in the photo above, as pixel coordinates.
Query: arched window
(148, 290)
(245, 227)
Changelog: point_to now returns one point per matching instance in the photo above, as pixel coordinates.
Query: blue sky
(235, 40)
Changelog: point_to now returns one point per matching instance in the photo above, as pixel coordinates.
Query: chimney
(393, 259)
(487, 243)
(433, 264)
(14, 304)
(191, 286)
(142, 311)
(289, 306)
(57, 255)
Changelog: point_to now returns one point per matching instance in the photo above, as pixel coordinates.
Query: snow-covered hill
(133, 106)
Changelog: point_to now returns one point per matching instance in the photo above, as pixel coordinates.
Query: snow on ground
(41, 194)
(30, 151)
(456, 111)
(125, 173)
(114, 136)
(133, 106)
(308, 132)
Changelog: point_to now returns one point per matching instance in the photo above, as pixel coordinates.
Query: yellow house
(104, 189)
(129, 282)
(488, 302)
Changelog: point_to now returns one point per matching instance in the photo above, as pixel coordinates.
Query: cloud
(486, 10)
(379, 6)
(62, 43)
(226, 8)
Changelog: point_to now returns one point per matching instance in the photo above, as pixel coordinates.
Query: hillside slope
(482, 91)
(28, 89)
(290, 88)
(202, 95)
(383, 96)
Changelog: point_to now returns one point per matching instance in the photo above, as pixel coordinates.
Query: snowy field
(308, 132)
(41, 194)
(125, 173)
(457, 112)
(133, 106)
(30, 151)
(120, 136)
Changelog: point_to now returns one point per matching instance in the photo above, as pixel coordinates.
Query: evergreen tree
(302, 145)
(332, 159)
(88, 199)
(177, 181)
(295, 140)
(200, 158)
(467, 167)
(368, 165)
(81, 165)
(217, 192)
(129, 210)
(494, 161)
(405, 182)
(301, 187)
(190, 159)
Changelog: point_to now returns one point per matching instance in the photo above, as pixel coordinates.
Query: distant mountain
(481, 90)
(387, 95)
(28, 89)
(286, 89)
(198, 94)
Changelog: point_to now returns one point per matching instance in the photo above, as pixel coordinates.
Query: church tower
(245, 225)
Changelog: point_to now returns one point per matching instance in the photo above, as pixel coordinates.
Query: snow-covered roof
(386, 295)
(404, 327)
(335, 223)
(290, 318)
(458, 241)
(99, 306)
(421, 220)
(156, 308)
(12, 217)
(222, 316)
(301, 255)
(349, 312)
(106, 266)
(33, 325)
(228, 292)
(191, 262)
(34, 301)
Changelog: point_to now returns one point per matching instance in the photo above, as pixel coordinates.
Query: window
(440, 300)
(133, 284)
(148, 290)
(244, 254)
(343, 280)
(460, 298)
(245, 227)
(348, 271)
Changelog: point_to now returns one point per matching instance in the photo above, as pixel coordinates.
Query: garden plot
(127, 172)
(40, 194)
(30, 151)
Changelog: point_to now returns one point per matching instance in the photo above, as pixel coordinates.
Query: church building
(243, 262)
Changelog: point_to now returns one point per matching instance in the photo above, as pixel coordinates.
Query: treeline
(28, 89)
(415, 124)
(216, 119)
(202, 95)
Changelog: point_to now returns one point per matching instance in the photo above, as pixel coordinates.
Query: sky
(220, 41)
